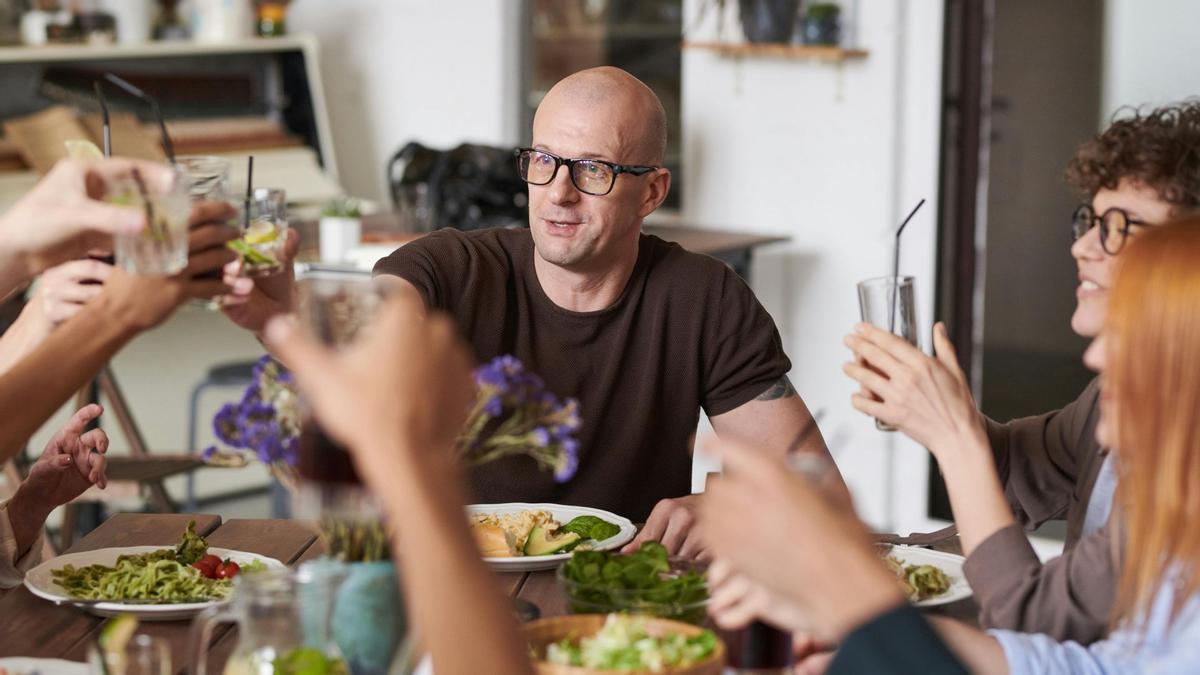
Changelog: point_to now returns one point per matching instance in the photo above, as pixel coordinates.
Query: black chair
(470, 187)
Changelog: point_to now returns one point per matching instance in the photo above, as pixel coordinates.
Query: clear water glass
(161, 249)
(265, 232)
(889, 303)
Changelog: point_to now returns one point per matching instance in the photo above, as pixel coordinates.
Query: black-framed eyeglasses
(1115, 224)
(590, 176)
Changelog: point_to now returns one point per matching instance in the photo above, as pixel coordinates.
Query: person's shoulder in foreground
(897, 641)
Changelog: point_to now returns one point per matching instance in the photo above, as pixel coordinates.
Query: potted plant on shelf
(513, 415)
(823, 24)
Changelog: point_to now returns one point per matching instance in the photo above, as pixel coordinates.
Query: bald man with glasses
(642, 332)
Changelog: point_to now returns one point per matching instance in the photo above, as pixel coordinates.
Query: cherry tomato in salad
(209, 565)
(206, 569)
(228, 570)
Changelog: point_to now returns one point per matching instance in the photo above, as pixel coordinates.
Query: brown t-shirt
(686, 333)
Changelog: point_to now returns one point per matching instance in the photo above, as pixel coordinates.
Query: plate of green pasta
(154, 583)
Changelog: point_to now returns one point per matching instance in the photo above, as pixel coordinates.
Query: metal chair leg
(190, 502)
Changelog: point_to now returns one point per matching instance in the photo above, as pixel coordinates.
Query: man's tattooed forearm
(781, 389)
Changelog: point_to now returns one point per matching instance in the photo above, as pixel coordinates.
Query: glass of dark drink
(335, 307)
(759, 649)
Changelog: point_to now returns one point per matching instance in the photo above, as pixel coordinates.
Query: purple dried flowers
(266, 421)
(513, 414)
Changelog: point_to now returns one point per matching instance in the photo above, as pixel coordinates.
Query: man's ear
(660, 186)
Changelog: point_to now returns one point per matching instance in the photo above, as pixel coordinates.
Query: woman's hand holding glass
(927, 398)
(251, 302)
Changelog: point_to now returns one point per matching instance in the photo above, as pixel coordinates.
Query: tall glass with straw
(890, 303)
(161, 248)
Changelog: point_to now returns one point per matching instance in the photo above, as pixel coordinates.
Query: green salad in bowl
(646, 581)
(626, 643)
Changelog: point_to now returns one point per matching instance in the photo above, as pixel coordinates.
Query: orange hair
(1152, 370)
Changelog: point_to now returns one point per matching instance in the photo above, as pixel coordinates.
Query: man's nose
(562, 190)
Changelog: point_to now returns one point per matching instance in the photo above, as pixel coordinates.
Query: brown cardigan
(1048, 465)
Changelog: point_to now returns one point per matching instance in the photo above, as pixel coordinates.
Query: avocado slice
(543, 542)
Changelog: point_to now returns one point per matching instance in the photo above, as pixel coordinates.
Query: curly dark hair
(1159, 149)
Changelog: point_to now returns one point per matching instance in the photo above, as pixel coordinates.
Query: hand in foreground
(62, 217)
(927, 398)
(781, 533)
(68, 466)
(405, 383)
(736, 602)
(672, 524)
(254, 301)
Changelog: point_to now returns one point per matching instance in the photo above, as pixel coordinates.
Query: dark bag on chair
(469, 188)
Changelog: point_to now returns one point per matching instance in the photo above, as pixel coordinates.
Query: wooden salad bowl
(544, 632)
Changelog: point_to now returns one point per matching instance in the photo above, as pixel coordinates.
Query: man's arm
(773, 421)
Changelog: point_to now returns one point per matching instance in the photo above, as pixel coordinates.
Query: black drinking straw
(896, 266)
(104, 116)
(153, 103)
(249, 192)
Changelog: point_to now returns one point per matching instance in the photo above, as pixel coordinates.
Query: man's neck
(582, 290)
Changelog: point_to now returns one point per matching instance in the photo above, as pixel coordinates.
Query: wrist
(966, 451)
(125, 318)
(26, 508)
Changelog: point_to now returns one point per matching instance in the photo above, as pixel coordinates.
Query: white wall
(440, 73)
(834, 157)
(1150, 53)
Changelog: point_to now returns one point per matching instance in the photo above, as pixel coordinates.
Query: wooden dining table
(31, 626)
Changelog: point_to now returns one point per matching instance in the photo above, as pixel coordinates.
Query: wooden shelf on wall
(782, 51)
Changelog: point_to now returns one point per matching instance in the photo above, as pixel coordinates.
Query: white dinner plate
(40, 582)
(562, 514)
(949, 563)
(24, 665)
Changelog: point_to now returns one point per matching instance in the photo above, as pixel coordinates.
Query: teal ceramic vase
(369, 625)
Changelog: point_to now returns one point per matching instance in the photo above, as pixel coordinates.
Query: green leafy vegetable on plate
(643, 582)
(591, 527)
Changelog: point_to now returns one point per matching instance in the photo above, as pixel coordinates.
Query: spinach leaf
(641, 582)
(591, 527)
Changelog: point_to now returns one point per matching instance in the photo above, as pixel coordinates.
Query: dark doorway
(1022, 90)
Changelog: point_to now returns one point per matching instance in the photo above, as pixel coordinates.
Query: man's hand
(72, 462)
(405, 383)
(142, 302)
(63, 216)
(253, 302)
(785, 535)
(672, 524)
(928, 399)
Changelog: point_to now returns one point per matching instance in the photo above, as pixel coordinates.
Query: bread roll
(494, 541)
